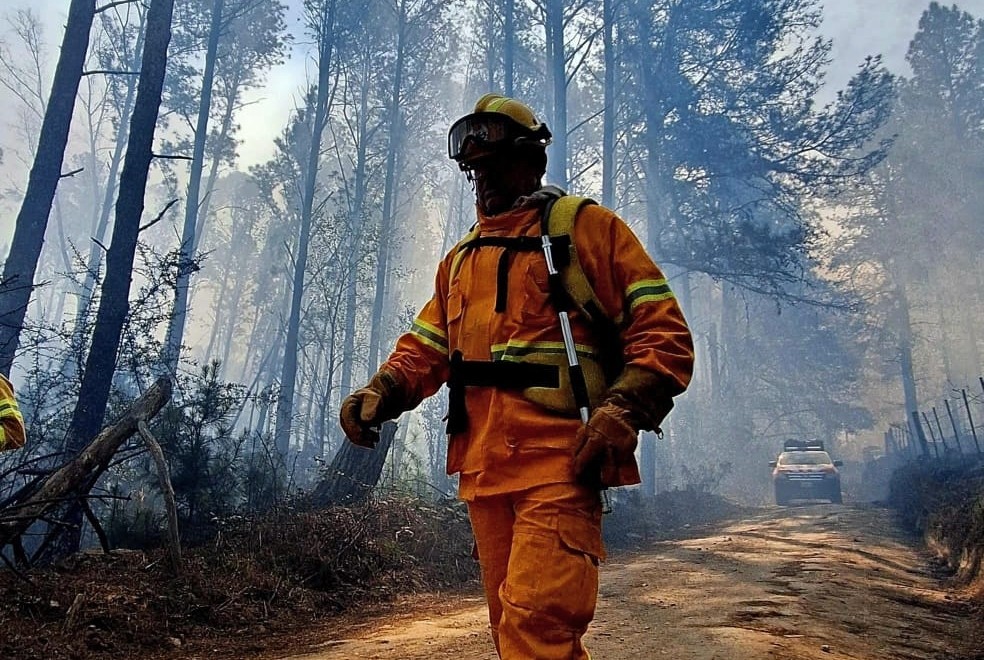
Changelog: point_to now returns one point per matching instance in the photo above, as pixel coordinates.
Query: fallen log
(75, 477)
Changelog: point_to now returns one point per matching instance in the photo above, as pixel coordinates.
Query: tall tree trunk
(354, 471)
(101, 225)
(491, 57)
(509, 45)
(288, 377)
(213, 172)
(608, 115)
(389, 189)
(114, 299)
(905, 353)
(355, 228)
(557, 165)
(324, 431)
(186, 264)
(217, 317)
(21, 265)
(109, 195)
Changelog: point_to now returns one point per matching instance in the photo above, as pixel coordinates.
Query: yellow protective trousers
(539, 551)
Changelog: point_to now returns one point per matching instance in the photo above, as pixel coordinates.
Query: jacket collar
(524, 212)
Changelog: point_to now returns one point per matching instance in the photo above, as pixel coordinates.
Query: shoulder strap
(460, 249)
(560, 222)
(560, 212)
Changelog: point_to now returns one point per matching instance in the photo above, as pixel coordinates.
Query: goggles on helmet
(484, 133)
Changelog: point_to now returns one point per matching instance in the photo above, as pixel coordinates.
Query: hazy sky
(858, 28)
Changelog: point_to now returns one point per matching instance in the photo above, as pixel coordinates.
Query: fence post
(953, 424)
(970, 418)
(936, 449)
(919, 433)
(940, 428)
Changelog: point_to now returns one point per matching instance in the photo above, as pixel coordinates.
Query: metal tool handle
(577, 376)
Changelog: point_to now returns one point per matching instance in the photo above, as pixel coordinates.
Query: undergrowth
(269, 573)
(945, 503)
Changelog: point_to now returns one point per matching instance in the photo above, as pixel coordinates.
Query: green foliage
(132, 521)
(213, 471)
(912, 242)
(735, 149)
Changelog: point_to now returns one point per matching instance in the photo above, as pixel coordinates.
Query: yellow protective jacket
(12, 434)
(511, 443)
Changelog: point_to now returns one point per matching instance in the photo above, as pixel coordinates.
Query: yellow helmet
(498, 122)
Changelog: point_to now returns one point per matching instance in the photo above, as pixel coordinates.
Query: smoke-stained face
(503, 177)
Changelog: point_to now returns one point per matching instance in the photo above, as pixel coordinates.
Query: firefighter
(12, 433)
(529, 469)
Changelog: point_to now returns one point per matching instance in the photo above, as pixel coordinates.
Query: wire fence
(947, 431)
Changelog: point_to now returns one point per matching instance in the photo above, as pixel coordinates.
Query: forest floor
(812, 581)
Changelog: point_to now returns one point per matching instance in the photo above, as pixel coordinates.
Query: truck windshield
(804, 458)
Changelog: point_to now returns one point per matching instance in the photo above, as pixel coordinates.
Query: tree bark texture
(354, 471)
(114, 299)
(21, 265)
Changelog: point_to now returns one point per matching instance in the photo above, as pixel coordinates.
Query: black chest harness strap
(498, 373)
(569, 289)
(514, 244)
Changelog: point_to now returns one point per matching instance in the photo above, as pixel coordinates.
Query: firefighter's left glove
(606, 449)
(365, 409)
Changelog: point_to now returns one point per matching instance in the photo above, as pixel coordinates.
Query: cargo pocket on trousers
(581, 534)
(556, 579)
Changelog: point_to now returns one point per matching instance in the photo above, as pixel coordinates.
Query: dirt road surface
(816, 581)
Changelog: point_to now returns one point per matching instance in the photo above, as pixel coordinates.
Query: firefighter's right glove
(606, 449)
(365, 409)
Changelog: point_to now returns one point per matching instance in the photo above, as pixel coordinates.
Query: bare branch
(72, 173)
(116, 3)
(159, 215)
(167, 490)
(110, 72)
(172, 157)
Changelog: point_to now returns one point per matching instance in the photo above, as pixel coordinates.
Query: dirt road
(818, 581)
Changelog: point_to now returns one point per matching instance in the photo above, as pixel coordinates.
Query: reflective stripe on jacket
(511, 443)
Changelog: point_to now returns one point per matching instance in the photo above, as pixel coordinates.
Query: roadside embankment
(945, 503)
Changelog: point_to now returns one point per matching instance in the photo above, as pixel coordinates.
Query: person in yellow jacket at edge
(530, 469)
(12, 433)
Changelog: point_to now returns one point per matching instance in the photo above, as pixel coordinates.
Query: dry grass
(945, 503)
(257, 579)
